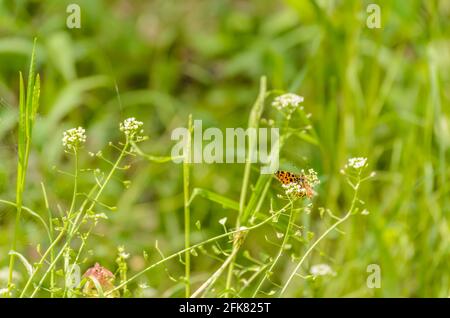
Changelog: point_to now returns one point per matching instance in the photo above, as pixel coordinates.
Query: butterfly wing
(286, 177)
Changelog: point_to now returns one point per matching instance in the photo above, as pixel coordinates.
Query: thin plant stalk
(187, 212)
(75, 184)
(210, 240)
(211, 280)
(75, 226)
(51, 233)
(28, 106)
(280, 251)
(254, 118)
(41, 262)
(329, 230)
(311, 248)
(71, 209)
(33, 214)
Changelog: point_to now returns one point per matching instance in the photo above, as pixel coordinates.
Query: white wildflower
(74, 138)
(356, 163)
(131, 127)
(321, 270)
(311, 177)
(303, 185)
(294, 189)
(222, 221)
(288, 102)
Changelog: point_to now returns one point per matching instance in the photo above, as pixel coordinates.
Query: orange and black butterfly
(286, 177)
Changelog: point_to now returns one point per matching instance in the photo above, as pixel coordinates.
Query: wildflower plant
(69, 234)
(288, 102)
(284, 221)
(257, 208)
(305, 188)
(344, 99)
(132, 129)
(356, 163)
(74, 138)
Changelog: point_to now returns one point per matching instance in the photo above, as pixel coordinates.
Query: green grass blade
(214, 197)
(27, 109)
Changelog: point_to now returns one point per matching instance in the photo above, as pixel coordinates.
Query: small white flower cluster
(74, 138)
(288, 102)
(294, 188)
(303, 188)
(130, 127)
(321, 270)
(222, 221)
(356, 163)
(311, 177)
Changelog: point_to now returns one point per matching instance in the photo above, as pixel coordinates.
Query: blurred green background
(380, 93)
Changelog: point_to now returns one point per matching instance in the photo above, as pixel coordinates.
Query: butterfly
(286, 177)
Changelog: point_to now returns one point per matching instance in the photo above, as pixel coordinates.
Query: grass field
(164, 229)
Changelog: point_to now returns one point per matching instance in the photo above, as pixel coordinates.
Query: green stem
(83, 244)
(41, 262)
(280, 251)
(209, 283)
(51, 233)
(187, 212)
(51, 266)
(177, 254)
(75, 225)
(33, 214)
(255, 115)
(71, 209)
(75, 185)
(313, 246)
(28, 105)
(212, 279)
(23, 162)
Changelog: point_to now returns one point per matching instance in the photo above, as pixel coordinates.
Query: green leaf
(258, 194)
(308, 138)
(214, 197)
